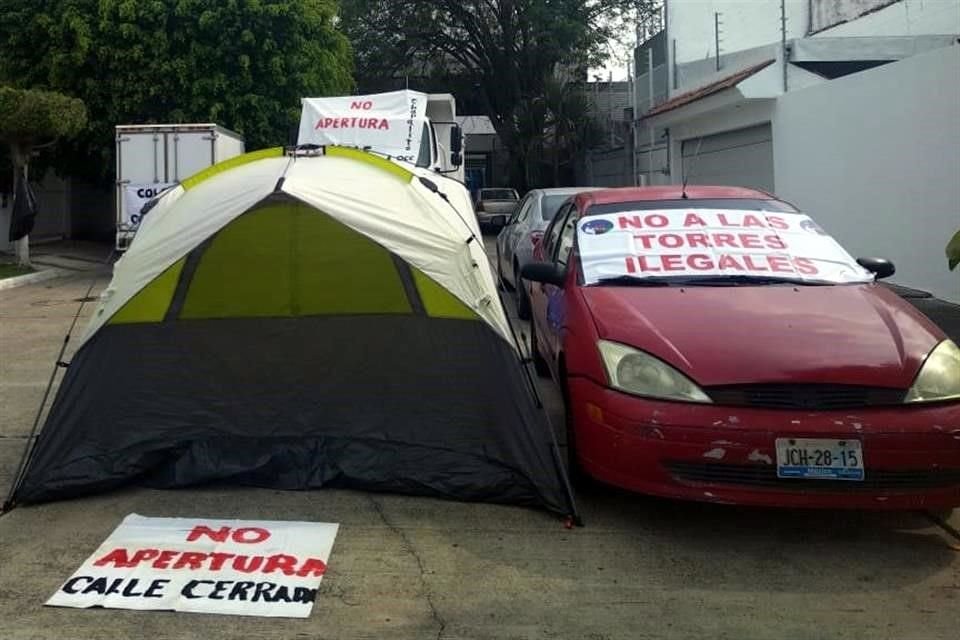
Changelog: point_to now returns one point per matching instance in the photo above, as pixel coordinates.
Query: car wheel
(523, 298)
(539, 364)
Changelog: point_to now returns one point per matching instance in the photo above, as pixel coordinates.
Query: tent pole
(29, 448)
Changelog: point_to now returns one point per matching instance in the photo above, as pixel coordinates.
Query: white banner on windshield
(712, 242)
(391, 123)
(202, 565)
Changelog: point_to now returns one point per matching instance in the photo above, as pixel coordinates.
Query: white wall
(875, 157)
(753, 23)
(744, 24)
(904, 18)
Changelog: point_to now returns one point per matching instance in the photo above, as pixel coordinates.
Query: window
(522, 210)
(550, 204)
(567, 235)
(553, 231)
(498, 194)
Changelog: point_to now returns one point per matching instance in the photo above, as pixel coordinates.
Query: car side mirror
(545, 272)
(878, 266)
(456, 145)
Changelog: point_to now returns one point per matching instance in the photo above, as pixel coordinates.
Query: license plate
(819, 459)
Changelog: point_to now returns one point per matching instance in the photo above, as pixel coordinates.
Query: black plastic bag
(24, 210)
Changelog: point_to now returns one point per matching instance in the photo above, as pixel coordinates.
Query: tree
(510, 49)
(244, 64)
(29, 120)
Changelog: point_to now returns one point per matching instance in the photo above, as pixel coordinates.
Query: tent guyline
(297, 323)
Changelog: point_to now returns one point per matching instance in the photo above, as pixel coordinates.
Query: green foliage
(243, 64)
(29, 117)
(509, 50)
(953, 251)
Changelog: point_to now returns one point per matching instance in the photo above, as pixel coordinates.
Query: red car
(710, 350)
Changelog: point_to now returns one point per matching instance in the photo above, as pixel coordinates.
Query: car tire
(522, 297)
(539, 364)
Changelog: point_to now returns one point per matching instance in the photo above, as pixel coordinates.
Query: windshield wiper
(743, 280)
(630, 281)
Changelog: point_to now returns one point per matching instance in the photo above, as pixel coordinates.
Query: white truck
(153, 157)
(409, 126)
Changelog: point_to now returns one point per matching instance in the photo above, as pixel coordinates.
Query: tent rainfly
(295, 322)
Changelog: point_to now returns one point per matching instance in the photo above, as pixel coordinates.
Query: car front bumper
(727, 454)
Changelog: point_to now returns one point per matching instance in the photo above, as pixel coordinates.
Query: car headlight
(641, 374)
(939, 377)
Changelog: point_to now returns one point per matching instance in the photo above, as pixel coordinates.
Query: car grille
(804, 396)
(766, 476)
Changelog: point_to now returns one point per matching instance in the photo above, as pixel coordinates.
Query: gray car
(495, 204)
(525, 227)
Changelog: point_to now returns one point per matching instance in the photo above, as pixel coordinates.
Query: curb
(32, 278)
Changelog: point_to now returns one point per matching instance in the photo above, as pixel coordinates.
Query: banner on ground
(391, 123)
(137, 195)
(711, 242)
(238, 567)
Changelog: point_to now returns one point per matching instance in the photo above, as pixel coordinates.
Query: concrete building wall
(880, 168)
(53, 211)
(752, 23)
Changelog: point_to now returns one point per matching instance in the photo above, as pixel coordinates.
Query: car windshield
(709, 243)
(498, 194)
(551, 204)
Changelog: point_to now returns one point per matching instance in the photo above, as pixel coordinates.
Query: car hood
(845, 334)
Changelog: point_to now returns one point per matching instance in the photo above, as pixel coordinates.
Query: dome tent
(293, 322)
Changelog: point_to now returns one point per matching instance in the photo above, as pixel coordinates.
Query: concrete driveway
(419, 568)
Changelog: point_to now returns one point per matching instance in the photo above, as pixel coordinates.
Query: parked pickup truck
(495, 206)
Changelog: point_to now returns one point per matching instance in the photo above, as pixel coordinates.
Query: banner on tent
(251, 567)
(391, 123)
(707, 242)
(137, 195)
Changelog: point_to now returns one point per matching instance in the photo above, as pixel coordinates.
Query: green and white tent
(297, 321)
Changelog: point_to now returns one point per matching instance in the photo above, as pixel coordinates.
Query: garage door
(741, 158)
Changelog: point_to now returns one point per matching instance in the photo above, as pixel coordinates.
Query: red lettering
(220, 535)
(250, 535)
(642, 263)
(163, 560)
(779, 264)
(247, 564)
(693, 219)
(750, 241)
(698, 240)
(626, 222)
(312, 566)
(751, 265)
(384, 124)
(357, 104)
(190, 560)
(775, 242)
(656, 220)
(728, 262)
(699, 262)
(722, 217)
(117, 557)
(776, 222)
(671, 240)
(646, 239)
(724, 240)
(281, 562)
(344, 123)
(631, 267)
(751, 220)
(217, 560)
(672, 263)
(143, 554)
(806, 266)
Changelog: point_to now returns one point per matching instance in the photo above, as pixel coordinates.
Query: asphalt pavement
(419, 568)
